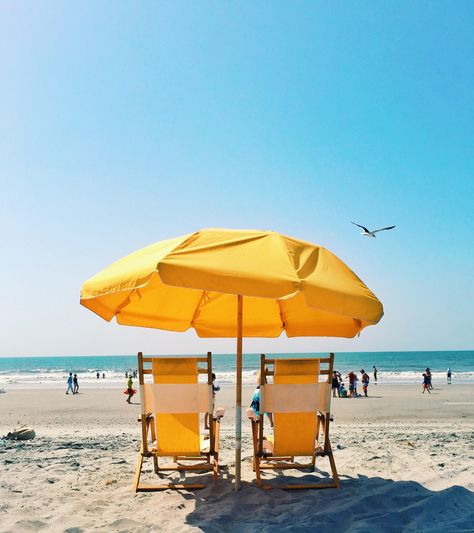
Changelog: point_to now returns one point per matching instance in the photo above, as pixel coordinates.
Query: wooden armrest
(322, 416)
(148, 417)
(220, 411)
(251, 414)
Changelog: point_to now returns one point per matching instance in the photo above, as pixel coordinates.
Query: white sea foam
(55, 379)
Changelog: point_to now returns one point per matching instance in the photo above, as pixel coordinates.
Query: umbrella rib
(125, 302)
(196, 311)
(281, 315)
(288, 255)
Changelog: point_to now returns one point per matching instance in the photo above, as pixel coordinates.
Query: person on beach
(342, 391)
(126, 374)
(130, 391)
(255, 404)
(428, 374)
(352, 384)
(97, 375)
(426, 383)
(75, 383)
(375, 375)
(335, 385)
(103, 375)
(215, 388)
(365, 381)
(69, 384)
(448, 375)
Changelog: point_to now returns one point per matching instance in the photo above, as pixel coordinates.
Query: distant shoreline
(256, 354)
(120, 386)
(404, 368)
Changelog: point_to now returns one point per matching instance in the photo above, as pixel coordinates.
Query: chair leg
(216, 432)
(138, 471)
(257, 471)
(334, 469)
(255, 445)
(155, 464)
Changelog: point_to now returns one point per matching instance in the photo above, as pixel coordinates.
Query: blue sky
(124, 123)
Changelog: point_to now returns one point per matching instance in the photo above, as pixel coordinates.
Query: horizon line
(233, 353)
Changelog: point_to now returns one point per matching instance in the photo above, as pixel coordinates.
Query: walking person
(365, 381)
(130, 391)
(448, 375)
(375, 375)
(69, 384)
(428, 375)
(75, 383)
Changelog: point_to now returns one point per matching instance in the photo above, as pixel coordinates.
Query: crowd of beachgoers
(339, 389)
(338, 386)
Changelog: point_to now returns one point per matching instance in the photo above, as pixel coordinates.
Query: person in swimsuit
(255, 404)
(375, 374)
(448, 374)
(130, 390)
(342, 391)
(352, 384)
(365, 381)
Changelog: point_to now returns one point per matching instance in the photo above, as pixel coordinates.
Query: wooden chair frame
(208, 461)
(264, 460)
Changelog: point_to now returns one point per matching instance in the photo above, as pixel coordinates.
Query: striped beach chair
(300, 400)
(171, 402)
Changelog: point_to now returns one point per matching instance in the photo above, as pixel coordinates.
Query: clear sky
(124, 123)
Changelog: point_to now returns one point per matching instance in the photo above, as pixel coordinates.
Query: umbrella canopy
(191, 282)
(234, 283)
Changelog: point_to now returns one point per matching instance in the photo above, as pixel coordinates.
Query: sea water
(393, 367)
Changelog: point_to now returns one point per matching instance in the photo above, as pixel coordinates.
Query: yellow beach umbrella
(234, 283)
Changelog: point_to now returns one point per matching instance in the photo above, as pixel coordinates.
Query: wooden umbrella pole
(238, 394)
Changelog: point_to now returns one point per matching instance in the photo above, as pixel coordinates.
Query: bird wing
(365, 229)
(382, 229)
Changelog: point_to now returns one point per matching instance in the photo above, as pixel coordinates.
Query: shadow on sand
(362, 504)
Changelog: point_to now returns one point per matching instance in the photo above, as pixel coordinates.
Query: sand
(406, 462)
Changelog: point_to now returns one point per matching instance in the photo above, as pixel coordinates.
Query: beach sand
(406, 463)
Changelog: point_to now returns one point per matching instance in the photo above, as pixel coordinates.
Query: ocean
(393, 367)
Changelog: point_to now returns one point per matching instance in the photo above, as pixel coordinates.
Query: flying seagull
(368, 233)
